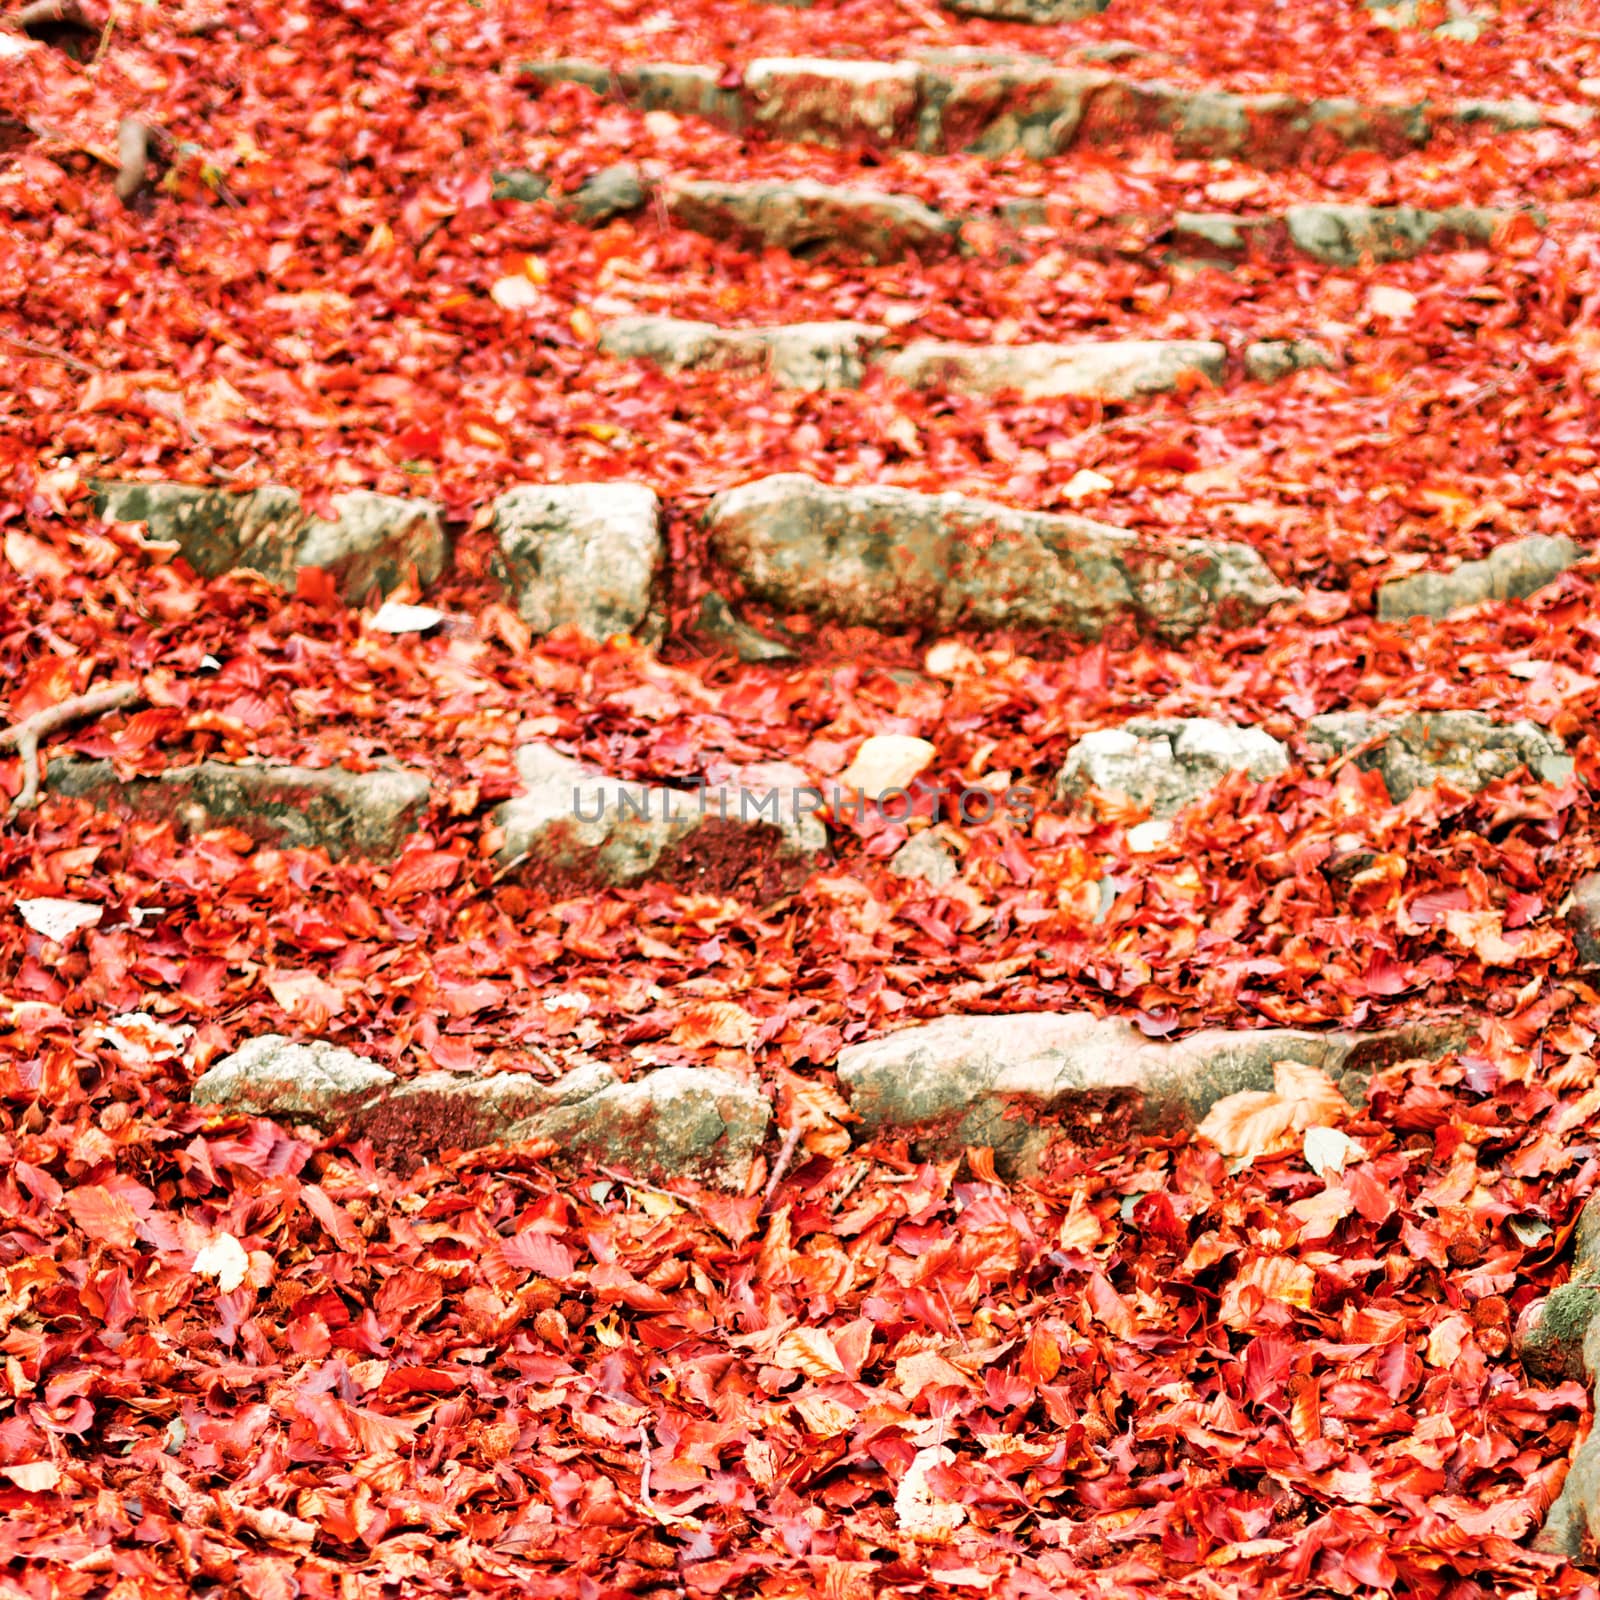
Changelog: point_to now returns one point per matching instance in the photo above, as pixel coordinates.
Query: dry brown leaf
(808, 1350)
(719, 1022)
(921, 1512)
(1258, 1122)
(1276, 1278)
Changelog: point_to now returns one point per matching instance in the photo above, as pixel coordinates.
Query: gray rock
(1342, 235)
(804, 217)
(366, 815)
(570, 827)
(1027, 10)
(568, 69)
(612, 192)
(1465, 749)
(1222, 233)
(926, 856)
(694, 91)
(372, 542)
(800, 355)
(1018, 1084)
(1510, 572)
(1113, 50)
(1273, 360)
(1582, 915)
(1558, 1340)
(579, 553)
(1167, 764)
(1115, 370)
(719, 624)
(1502, 116)
(823, 101)
(519, 184)
(273, 1076)
(890, 557)
(998, 106)
(696, 1122)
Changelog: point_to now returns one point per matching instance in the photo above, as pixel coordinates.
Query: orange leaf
(104, 1216)
(809, 1350)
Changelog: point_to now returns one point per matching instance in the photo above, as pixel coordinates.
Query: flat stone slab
(696, 1122)
(804, 217)
(1511, 572)
(1166, 764)
(371, 543)
(1114, 370)
(1344, 235)
(1466, 749)
(1018, 1084)
(797, 355)
(1042, 11)
(838, 355)
(583, 554)
(997, 103)
(366, 815)
(889, 557)
(821, 101)
(572, 827)
(1273, 360)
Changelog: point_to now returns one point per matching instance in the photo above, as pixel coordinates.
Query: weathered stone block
(1113, 370)
(1414, 750)
(1167, 764)
(1510, 572)
(890, 557)
(372, 542)
(366, 815)
(1017, 1084)
(579, 553)
(573, 828)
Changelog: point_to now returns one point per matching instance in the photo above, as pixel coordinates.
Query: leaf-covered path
(1173, 426)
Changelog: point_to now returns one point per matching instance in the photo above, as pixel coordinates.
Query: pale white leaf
(58, 919)
(223, 1259)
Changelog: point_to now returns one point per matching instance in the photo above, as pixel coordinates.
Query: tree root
(1559, 1338)
(25, 735)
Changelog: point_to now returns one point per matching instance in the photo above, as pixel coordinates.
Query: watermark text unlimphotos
(973, 803)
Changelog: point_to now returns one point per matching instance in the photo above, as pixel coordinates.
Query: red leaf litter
(242, 1358)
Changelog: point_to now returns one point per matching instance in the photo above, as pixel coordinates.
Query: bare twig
(105, 37)
(781, 1164)
(629, 1182)
(25, 735)
(43, 352)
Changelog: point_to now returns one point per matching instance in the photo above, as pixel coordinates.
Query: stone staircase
(595, 557)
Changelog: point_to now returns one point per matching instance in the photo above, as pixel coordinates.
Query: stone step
(808, 218)
(838, 355)
(953, 101)
(1511, 572)
(889, 557)
(1025, 1084)
(695, 1122)
(572, 827)
(359, 814)
(579, 554)
(372, 543)
(1165, 764)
